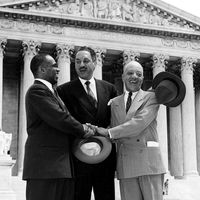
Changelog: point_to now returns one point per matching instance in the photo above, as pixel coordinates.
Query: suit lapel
(61, 104)
(119, 109)
(100, 96)
(136, 103)
(81, 95)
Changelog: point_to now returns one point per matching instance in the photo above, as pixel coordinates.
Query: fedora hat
(92, 150)
(169, 89)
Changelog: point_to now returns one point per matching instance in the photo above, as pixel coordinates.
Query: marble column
(129, 55)
(30, 48)
(100, 54)
(2, 47)
(197, 117)
(188, 117)
(63, 59)
(175, 142)
(159, 66)
(6, 162)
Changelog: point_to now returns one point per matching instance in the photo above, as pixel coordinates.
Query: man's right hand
(103, 132)
(88, 131)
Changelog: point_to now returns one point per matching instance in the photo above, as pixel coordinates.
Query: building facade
(158, 35)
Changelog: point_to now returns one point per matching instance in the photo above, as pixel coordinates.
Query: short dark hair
(37, 61)
(90, 50)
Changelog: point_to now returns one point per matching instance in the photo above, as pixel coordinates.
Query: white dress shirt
(92, 86)
(126, 96)
(47, 83)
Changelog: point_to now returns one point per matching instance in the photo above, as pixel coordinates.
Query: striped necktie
(129, 101)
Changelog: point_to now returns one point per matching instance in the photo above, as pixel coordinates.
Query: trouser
(102, 186)
(148, 187)
(50, 189)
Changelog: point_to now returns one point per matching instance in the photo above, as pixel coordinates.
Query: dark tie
(129, 101)
(90, 94)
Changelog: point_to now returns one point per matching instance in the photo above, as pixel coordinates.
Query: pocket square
(152, 144)
(109, 103)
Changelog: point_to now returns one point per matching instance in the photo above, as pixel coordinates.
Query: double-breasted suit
(99, 176)
(138, 151)
(49, 125)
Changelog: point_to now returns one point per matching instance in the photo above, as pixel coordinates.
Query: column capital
(64, 51)
(159, 61)
(100, 54)
(3, 42)
(187, 64)
(129, 55)
(30, 47)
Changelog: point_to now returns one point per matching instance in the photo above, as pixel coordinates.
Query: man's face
(51, 70)
(84, 65)
(133, 76)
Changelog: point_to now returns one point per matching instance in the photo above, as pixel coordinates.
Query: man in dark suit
(47, 168)
(88, 103)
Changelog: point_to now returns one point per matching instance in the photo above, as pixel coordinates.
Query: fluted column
(197, 117)
(63, 59)
(188, 117)
(30, 48)
(159, 66)
(129, 55)
(100, 54)
(2, 47)
(176, 142)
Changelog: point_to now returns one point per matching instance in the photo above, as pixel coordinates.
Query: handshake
(92, 130)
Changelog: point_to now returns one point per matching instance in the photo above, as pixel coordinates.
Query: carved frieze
(181, 44)
(7, 24)
(137, 12)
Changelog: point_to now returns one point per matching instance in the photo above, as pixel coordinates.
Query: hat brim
(177, 81)
(104, 144)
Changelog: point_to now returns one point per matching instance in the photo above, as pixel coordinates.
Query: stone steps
(184, 189)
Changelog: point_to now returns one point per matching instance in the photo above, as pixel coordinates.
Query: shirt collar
(126, 93)
(133, 93)
(92, 81)
(47, 83)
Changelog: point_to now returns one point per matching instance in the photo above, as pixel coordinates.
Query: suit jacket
(138, 151)
(49, 125)
(75, 98)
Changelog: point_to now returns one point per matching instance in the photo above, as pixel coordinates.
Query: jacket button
(138, 140)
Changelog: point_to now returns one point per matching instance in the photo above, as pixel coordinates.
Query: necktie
(129, 101)
(90, 94)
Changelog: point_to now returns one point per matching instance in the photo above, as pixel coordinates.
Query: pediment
(151, 13)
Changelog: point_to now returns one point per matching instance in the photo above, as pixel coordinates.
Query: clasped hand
(92, 130)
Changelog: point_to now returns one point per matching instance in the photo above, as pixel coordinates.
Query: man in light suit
(140, 167)
(47, 168)
(90, 108)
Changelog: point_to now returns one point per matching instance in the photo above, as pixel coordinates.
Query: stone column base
(6, 164)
